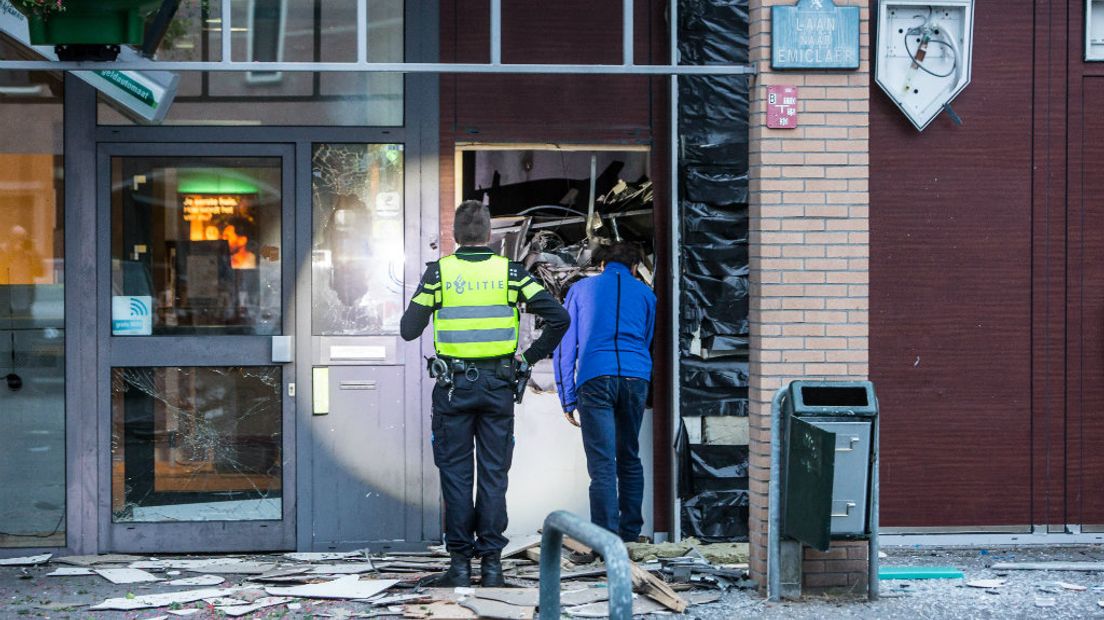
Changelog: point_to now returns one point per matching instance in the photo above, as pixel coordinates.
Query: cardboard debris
(518, 546)
(1069, 566)
(583, 596)
(439, 610)
(185, 612)
(350, 587)
(122, 576)
(92, 560)
(30, 560)
(656, 589)
(202, 580)
(497, 610)
(640, 606)
(268, 601)
(150, 601)
(71, 571)
(527, 597)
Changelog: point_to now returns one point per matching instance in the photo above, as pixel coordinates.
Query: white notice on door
(131, 315)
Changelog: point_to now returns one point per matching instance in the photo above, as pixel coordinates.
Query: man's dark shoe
(458, 574)
(490, 571)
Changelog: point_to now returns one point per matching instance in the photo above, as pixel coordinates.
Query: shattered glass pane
(196, 246)
(358, 256)
(32, 314)
(196, 444)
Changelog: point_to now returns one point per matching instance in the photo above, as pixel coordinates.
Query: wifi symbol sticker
(131, 315)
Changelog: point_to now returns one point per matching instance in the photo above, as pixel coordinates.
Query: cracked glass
(196, 444)
(196, 246)
(358, 253)
(32, 317)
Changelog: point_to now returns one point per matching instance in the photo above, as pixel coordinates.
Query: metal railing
(608, 545)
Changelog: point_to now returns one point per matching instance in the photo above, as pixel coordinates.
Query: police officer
(473, 297)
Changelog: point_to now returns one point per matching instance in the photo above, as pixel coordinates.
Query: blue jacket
(612, 322)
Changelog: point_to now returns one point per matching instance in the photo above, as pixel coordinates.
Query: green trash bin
(830, 450)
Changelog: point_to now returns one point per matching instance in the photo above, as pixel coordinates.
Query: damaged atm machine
(552, 208)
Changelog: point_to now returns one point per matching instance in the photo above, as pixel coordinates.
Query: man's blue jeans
(610, 412)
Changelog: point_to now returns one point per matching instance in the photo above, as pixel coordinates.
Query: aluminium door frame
(192, 350)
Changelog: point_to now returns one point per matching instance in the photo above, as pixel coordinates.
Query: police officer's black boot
(490, 571)
(458, 574)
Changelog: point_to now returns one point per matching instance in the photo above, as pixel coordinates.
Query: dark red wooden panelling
(951, 291)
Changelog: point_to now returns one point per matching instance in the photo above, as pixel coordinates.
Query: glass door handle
(283, 349)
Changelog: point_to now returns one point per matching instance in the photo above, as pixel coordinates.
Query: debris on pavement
(32, 560)
(396, 584)
(1064, 566)
(987, 584)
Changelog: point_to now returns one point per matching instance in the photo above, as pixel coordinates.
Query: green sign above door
(815, 34)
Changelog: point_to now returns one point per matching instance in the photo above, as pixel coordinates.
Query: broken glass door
(199, 347)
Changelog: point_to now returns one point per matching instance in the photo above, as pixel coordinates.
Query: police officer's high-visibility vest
(477, 318)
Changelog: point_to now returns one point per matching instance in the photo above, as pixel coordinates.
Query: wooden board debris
(497, 610)
(656, 589)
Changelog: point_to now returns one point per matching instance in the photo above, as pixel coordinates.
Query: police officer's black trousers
(479, 412)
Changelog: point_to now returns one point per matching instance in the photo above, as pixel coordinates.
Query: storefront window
(357, 260)
(195, 246)
(196, 444)
(283, 31)
(32, 325)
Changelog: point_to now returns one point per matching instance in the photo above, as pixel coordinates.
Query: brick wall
(809, 259)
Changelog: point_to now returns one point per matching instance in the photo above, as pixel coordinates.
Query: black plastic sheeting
(716, 516)
(714, 300)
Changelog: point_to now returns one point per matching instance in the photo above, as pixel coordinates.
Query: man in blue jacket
(605, 352)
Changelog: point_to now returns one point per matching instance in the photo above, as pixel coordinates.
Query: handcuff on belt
(443, 372)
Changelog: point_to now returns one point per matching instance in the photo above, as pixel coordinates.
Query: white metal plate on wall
(1094, 30)
(917, 93)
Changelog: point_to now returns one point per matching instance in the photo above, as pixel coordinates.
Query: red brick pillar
(809, 260)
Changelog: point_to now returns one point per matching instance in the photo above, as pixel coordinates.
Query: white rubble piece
(185, 612)
(1070, 566)
(122, 576)
(71, 571)
(151, 601)
(30, 560)
(986, 583)
(351, 568)
(350, 587)
(240, 610)
(202, 580)
(520, 544)
(325, 556)
(92, 560)
(1071, 586)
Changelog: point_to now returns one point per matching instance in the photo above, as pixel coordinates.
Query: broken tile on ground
(30, 560)
(350, 587)
(123, 576)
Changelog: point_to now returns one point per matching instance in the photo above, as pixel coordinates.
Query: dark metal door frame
(194, 351)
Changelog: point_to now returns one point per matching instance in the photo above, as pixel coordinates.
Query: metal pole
(362, 31)
(627, 32)
(872, 579)
(590, 201)
(224, 32)
(674, 261)
(608, 545)
(496, 32)
(376, 67)
(774, 500)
